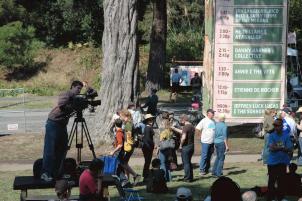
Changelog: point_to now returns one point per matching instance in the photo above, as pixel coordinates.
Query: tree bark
(119, 71)
(208, 56)
(157, 55)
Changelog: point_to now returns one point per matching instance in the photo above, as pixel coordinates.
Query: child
(156, 182)
(291, 182)
(63, 189)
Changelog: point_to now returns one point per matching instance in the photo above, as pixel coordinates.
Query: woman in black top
(148, 144)
(186, 146)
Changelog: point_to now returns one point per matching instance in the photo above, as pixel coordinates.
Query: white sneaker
(46, 178)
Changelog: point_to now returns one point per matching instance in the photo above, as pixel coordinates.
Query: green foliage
(145, 15)
(295, 19)
(59, 22)
(186, 45)
(17, 46)
(10, 11)
(185, 14)
(185, 30)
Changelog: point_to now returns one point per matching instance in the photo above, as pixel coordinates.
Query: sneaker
(136, 179)
(46, 178)
(66, 176)
(202, 173)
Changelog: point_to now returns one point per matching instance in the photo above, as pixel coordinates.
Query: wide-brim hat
(299, 110)
(148, 116)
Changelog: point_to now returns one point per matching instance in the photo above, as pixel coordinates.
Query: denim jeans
(299, 162)
(165, 164)
(206, 154)
(186, 156)
(147, 152)
(55, 146)
(218, 164)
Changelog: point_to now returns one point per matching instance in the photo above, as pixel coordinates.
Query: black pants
(186, 156)
(148, 152)
(275, 172)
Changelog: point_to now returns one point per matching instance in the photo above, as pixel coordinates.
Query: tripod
(79, 139)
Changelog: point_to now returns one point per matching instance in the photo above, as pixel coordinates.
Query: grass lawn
(29, 147)
(247, 175)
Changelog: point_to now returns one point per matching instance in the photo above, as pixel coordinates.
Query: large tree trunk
(157, 55)
(119, 71)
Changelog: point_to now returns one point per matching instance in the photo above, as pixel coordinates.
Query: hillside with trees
(119, 47)
(33, 31)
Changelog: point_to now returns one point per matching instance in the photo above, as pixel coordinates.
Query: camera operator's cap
(148, 116)
(183, 192)
(211, 110)
(299, 110)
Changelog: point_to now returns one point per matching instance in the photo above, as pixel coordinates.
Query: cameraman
(56, 137)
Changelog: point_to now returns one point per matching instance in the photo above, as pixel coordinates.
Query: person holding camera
(56, 136)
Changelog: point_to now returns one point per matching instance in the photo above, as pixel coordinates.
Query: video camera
(83, 101)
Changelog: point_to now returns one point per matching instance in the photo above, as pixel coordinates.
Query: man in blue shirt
(176, 80)
(280, 148)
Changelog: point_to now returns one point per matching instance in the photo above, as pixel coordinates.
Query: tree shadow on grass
(26, 73)
(230, 168)
(236, 172)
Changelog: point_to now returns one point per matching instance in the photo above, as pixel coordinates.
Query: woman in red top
(90, 182)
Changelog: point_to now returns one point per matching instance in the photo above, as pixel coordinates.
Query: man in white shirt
(290, 121)
(206, 127)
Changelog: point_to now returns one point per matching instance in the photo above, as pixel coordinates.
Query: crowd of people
(133, 130)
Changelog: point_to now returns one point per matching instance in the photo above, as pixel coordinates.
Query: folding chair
(127, 194)
(132, 195)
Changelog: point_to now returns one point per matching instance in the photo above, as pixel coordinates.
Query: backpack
(129, 140)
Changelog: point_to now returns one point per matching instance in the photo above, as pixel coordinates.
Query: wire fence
(22, 113)
(12, 111)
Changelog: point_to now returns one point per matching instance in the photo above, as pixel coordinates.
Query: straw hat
(221, 116)
(148, 116)
(299, 110)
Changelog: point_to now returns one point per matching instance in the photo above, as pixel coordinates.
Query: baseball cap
(183, 192)
(286, 110)
(211, 110)
(131, 104)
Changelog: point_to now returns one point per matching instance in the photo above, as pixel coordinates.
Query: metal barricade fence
(12, 111)
(21, 113)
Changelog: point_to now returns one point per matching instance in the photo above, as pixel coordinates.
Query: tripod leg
(90, 144)
(79, 144)
(70, 138)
